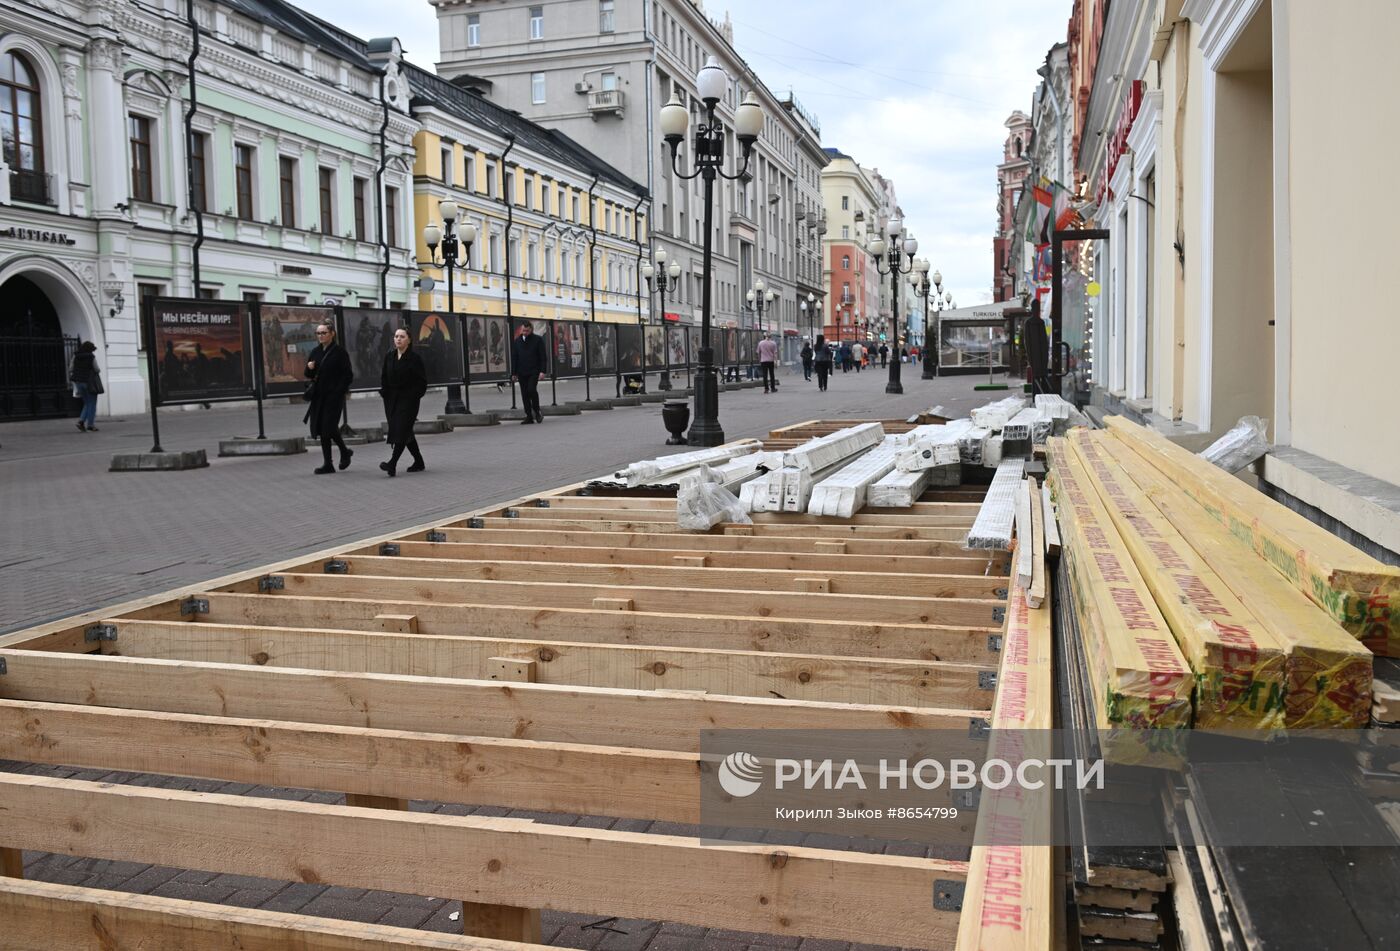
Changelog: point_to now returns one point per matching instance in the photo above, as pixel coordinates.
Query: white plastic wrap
(995, 415)
(702, 506)
(972, 444)
(1244, 443)
(992, 529)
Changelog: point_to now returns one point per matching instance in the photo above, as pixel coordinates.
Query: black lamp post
(922, 286)
(709, 159)
(890, 265)
(670, 275)
(456, 244)
(758, 299)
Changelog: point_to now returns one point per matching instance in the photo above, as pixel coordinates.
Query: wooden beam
(504, 922)
(515, 535)
(637, 504)
(796, 636)
(779, 537)
(1052, 526)
(11, 863)
(673, 574)
(797, 891)
(40, 916)
(371, 764)
(789, 519)
(1036, 593)
(698, 601)
(635, 718)
(822, 677)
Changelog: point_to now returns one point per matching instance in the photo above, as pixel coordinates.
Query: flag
(1037, 222)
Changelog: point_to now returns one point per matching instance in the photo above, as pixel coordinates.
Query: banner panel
(205, 350)
(675, 345)
(288, 337)
(436, 338)
(602, 349)
(629, 347)
(368, 335)
(569, 347)
(655, 347)
(488, 346)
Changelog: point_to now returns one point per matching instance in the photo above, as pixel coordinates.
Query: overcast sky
(919, 89)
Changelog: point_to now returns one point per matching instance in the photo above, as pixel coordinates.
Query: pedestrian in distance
(843, 353)
(403, 380)
(884, 355)
(821, 359)
(529, 362)
(87, 384)
(329, 370)
(806, 360)
(1036, 344)
(767, 362)
(857, 355)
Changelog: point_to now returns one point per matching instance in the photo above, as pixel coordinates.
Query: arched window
(845, 261)
(1018, 146)
(21, 131)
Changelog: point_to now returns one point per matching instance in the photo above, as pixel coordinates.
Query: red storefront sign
(1119, 142)
(671, 316)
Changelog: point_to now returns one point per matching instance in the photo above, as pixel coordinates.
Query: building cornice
(1147, 128)
(1221, 27)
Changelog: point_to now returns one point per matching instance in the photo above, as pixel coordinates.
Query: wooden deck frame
(285, 719)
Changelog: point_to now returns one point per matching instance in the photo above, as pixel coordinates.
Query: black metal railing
(31, 186)
(34, 377)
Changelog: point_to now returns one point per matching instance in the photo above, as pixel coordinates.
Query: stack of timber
(559, 654)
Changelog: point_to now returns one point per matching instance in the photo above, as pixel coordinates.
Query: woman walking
(402, 383)
(328, 368)
(87, 384)
(821, 359)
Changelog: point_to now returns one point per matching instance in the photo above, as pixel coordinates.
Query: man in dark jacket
(529, 362)
(1037, 346)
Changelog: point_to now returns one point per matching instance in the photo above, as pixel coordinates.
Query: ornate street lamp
(890, 265)
(709, 160)
(670, 275)
(456, 246)
(922, 286)
(758, 300)
(809, 310)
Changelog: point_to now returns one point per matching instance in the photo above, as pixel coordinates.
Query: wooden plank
(752, 561)
(701, 543)
(1238, 663)
(845, 896)
(796, 636)
(503, 922)
(636, 504)
(374, 765)
(729, 602)
(11, 863)
(1036, 593)
(1025, 535)
(1326, 671)
(647, 530)
(1361, 593)
(789, 519)
(893, 681)
(1009, 898)
(42, 916)
(634, 718)
(398, 623)
(521, 670)
(1052, 526)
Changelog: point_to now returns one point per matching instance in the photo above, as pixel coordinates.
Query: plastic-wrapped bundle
(702, 506)
(994, 416)
(1020, 426)
(972, 444)
(844, 493)
(653, 470)
(828, 450)
(992, 529)
(1244, 443)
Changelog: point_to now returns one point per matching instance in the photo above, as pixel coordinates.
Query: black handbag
(95, 384)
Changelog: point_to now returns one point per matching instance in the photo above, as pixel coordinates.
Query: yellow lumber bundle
(1360, 593)
(1139, 678)
(1327, 681)
(1238, 663)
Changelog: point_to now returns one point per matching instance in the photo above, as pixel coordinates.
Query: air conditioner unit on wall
(582, 87)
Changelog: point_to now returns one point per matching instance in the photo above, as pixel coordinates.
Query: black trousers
(806, 369)
(411, 444)
(333, 435)
(530, 395)
(822, 370)
(770, 381)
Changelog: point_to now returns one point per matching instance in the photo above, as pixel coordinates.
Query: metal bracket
(511, 513)
(987, 679)
(389, 549)
(585, 491)
(336, 567)
(999, 614)
(948, 894)
(194, 606)
(476, 523)
(271, 583)
(978, 728)
(999, 592)
(436, 536)
(541, 503)
(968, 799)
(994, 643)
(100, 632)
(4, 668)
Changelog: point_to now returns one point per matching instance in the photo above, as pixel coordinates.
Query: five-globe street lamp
(922, 285)
(886, 254)
(758, 300)
(670, 275)
(711, 82)
(456, 244)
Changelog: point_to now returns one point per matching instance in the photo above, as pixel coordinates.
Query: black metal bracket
(436, 536)
(476, 523)
(968, 799)
(999, 614)
(389, 549)
(948, 894)
(100, 632)
(541, 503)
(336, 567)
(511, 513)
(994, 643)
(999, 592)
(986, 680)
(194, 606)
(978, 728)
(271, 583)
(4, 668)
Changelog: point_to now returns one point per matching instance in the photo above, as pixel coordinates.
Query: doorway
(34, 355)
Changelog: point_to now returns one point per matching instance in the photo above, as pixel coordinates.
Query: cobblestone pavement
(75, 537)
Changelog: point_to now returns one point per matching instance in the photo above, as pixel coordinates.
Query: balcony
(30, 186)
(606, 101)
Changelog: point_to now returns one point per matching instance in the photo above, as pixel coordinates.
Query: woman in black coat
(402, 383)
(328, 368)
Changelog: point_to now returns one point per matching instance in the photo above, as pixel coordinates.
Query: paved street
(78, 537)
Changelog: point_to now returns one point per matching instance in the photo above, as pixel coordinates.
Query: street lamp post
(664, 284)
(758, 300)
(922, 287)
(890, 265)
(456, 244)
(809, 308)
(709, 160)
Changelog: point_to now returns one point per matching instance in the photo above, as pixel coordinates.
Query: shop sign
(37, 234)
(1119, 142)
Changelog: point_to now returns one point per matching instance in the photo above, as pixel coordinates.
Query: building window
(243, 180)
(493, 254)
(468, 174)
(360, 186)
(509, 186)
(845, 202)
(199, 172)
(327, 189)
(608, 81)
(20, 127)
(606, 24)
(845, 261)
(530, 192)
(447, 165)
(845, 231)
(391, 215)
(142, 179)
(473, 29)
(296, 298)
(537, 88)
(537, 23)
(208, 293)
(287, 180)
(607, 221)
(251, 297)
(575, 215)
(490, 179)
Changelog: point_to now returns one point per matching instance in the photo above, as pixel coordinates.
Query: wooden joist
(847, 896)
(837, 528)
(1360, 593)
(798, 540)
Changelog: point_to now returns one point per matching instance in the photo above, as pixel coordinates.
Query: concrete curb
(563, 409)
(594, 404)
(426, 427)
(252, 446)
(471, 419)
(159, 461)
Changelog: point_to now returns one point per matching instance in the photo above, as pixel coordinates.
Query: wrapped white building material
(931, 446)
(994, 416)
(972, 444)
(826, 451)
(898, 489)
(991, 451)
(843, 493)
(702, 506)
(992, 529)
(736, 472)
(1244, 443)
(764, 493)
(1020, 426)
(653, 470)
